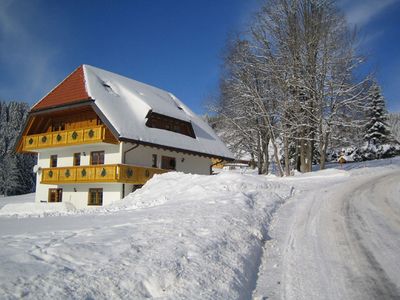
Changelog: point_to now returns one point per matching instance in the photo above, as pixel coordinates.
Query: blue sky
(175, 45)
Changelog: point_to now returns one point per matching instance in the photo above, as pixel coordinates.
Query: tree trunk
(266, 156)
(259, 155)
(286, 153)
(303, 156)
(324, 147)
(276, 157)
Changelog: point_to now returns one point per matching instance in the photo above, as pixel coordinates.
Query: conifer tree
(16, 176)
(377, 129)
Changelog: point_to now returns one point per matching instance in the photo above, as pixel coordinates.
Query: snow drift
(181, 236)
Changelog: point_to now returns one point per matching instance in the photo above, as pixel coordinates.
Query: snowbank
(17, 199)
(181, 236)
(35, 209)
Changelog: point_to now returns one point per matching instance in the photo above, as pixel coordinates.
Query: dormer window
(159, 121)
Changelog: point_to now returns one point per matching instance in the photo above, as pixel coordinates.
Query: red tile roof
(70, 90)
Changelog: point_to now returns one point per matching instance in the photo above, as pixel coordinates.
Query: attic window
(159, 121)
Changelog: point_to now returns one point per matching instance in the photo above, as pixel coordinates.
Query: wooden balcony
(99, 173)
(89, 135)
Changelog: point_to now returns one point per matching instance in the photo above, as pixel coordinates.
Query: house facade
(99, 135)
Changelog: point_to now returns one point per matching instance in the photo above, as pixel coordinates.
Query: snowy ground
(332, 234)
(180, 237)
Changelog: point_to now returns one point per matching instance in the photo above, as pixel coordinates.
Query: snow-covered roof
(126, 103)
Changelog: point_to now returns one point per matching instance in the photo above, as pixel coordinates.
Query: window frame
(97, 152)
(76, 156)
(98, 197)
(170, 166)
(53, 158)
(154, 160)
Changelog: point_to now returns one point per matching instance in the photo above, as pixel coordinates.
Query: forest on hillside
(16, 170)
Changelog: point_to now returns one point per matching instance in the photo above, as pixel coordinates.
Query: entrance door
(55, 195)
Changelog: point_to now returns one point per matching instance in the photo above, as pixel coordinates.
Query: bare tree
(291, 82)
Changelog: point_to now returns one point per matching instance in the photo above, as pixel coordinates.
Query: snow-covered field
(323, 235)
(181, 236)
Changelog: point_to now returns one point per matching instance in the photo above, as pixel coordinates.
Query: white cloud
(361, 12)
(25, 60)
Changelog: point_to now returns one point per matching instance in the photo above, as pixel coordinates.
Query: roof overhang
(127, 140)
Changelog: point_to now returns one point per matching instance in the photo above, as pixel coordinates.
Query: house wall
(65, 159)
(77, 194)
(143, 155)
(65, 154)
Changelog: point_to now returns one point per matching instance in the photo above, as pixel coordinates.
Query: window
(155, 120)
(77, 159)
(97, 158)
(55, 195)
(95, 197)
(168, 163)
(53, 161)
(154, 165)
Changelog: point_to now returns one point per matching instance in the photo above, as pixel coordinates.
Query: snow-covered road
(337, 239)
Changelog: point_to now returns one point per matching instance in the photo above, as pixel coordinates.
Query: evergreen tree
(377, 129)
(394, 122)
(16, 176)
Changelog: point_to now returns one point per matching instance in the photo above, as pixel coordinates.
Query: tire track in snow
(313, 256)
(375, 283)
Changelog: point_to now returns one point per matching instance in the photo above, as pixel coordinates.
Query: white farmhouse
(99, 135)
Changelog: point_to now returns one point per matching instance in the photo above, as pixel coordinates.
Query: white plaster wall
(78, 194)
(142, 156)
(65, 155)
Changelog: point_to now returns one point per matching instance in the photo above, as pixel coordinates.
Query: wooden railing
(94, 134)
(99, 173)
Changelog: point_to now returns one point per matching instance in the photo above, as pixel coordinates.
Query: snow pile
(319, 174)
(17, 199)
(35, 209)
(181, 236)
